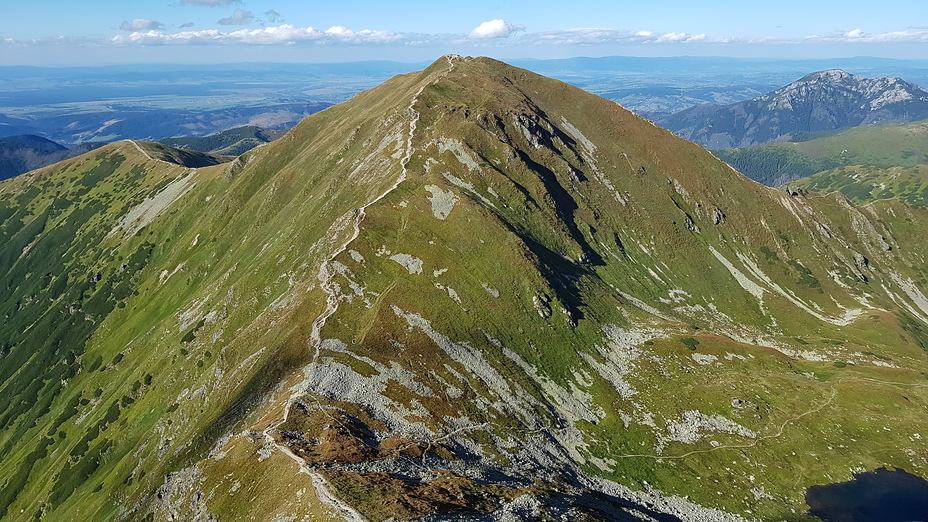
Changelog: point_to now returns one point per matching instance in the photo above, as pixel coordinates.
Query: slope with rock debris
(472, 293)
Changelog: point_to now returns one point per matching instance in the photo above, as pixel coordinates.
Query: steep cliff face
(472, 292)
(820, 101)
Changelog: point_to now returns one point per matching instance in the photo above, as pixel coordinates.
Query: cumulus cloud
(273, 16)
(281, 34)
(683, 37)
(211, 3)
(140, 24)
(494, 29)
(912, 34)
(239, 17)
(596, 36)
(489, 33)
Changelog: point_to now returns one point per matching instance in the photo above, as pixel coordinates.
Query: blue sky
(66, 32)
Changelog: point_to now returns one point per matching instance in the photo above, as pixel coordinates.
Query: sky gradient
(64, 32)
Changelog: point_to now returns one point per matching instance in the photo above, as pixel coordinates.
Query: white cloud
(681, 37)
(140, 24)
(211, 3)
(912, 34)
(281, 34)
(490, 34)
(239, 17)
(289, 34)
(596, 36)
(494, 29)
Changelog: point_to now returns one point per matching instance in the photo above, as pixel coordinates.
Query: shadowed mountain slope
(820, 101)
(232, 142)
(185, 158)
(472, 292)
(19, 154)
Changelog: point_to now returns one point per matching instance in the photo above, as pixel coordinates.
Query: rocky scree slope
(820, 101)
(472, 293)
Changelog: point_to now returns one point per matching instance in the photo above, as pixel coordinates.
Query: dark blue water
(882, 495)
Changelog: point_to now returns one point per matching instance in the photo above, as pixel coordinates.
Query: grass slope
(883, 146)
(863, 184)
(471, 282)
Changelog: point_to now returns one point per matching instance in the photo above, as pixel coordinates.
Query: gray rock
(541, 305)
(860, 261)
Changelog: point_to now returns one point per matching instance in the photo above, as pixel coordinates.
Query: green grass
(146, 350)
(863, 184)
(864, 148)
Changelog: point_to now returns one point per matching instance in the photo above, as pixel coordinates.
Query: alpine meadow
(471, 293)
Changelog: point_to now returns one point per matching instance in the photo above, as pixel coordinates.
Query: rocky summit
(471, 293)
(821, 101)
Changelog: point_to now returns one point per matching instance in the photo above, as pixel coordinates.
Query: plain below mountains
(820, 101)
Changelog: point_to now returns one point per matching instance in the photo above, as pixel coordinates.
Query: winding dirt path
(325, 277)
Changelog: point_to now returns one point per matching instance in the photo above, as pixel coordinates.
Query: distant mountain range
(128, 122)
(20, 154)
(820, 101)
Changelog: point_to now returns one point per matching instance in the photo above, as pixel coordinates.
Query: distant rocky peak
(819, 101)
(831, 75)
(835, 87)
(870, 88)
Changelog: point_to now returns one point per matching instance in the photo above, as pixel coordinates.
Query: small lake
(882, 495)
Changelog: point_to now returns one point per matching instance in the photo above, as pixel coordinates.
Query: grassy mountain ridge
(166, 291)
(472, 290)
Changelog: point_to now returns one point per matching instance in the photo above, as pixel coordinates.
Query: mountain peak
(471, 292)
(819, 101)
(829, 75)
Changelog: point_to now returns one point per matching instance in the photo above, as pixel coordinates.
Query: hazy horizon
(61, 33)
